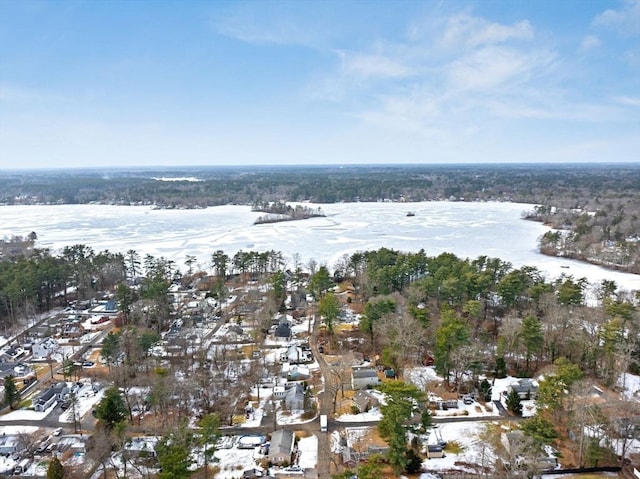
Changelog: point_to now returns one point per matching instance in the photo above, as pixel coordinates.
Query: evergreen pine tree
(11, 393)
(55, 470)
(514, 404)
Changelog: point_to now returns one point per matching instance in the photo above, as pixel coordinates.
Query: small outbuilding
(435, 451)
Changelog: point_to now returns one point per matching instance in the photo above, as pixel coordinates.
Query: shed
(435, 451)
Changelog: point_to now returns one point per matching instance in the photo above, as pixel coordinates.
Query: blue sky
(152, 83)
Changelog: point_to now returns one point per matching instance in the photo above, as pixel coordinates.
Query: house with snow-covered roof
(44, 349)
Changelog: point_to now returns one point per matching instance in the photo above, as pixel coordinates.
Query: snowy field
(465, 229)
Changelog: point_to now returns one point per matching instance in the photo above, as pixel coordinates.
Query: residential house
(279, 392)
(363, 378)
(12, 354)
(516, 443)
(24, 373)
(443, 404)
(21, 372)
(71, 444)
(296, 355)
(44, 349)
(142, 446)
(294, 372)
(525, 387)
(111, 306)
(252, 473)
(294, 397)
(351, 455)
(364, 400)
(64, 389)
(236, 331)
(47, 399)
(283, 330)
(72, 330)
(281, 448)
(8, 445)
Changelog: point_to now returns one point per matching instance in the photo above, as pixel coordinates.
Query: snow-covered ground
(466, 434)
(373, 414)
(232, 460)
(308, 452)
(630, 384)
(86, 399)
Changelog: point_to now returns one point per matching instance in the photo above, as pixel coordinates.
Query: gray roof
(283, 330)
(297, 391)
(365, 373)
(281, 442)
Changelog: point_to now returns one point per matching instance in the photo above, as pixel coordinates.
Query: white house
(8, 444)
(45, 400)
(142, 445)
(296, 355)
(363, 378)
(279, 392)
(44, 348)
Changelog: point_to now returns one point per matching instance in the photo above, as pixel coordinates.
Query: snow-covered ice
(437, 227)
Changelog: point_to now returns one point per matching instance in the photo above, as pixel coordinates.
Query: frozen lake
(465, 229)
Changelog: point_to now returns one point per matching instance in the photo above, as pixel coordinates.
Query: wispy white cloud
(273, 23)
(628, 100)
(454, 78)
(463, 76)
(490, 67)
(280, 32)
(467, 30)
(590, 42)
(625, 20)
(373, 65)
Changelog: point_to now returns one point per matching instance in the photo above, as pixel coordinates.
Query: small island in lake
(278, 211)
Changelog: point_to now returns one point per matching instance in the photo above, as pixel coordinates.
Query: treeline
(281, 211)
(565, 186)
(603, 233)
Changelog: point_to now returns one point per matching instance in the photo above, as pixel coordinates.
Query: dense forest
(565, 186)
